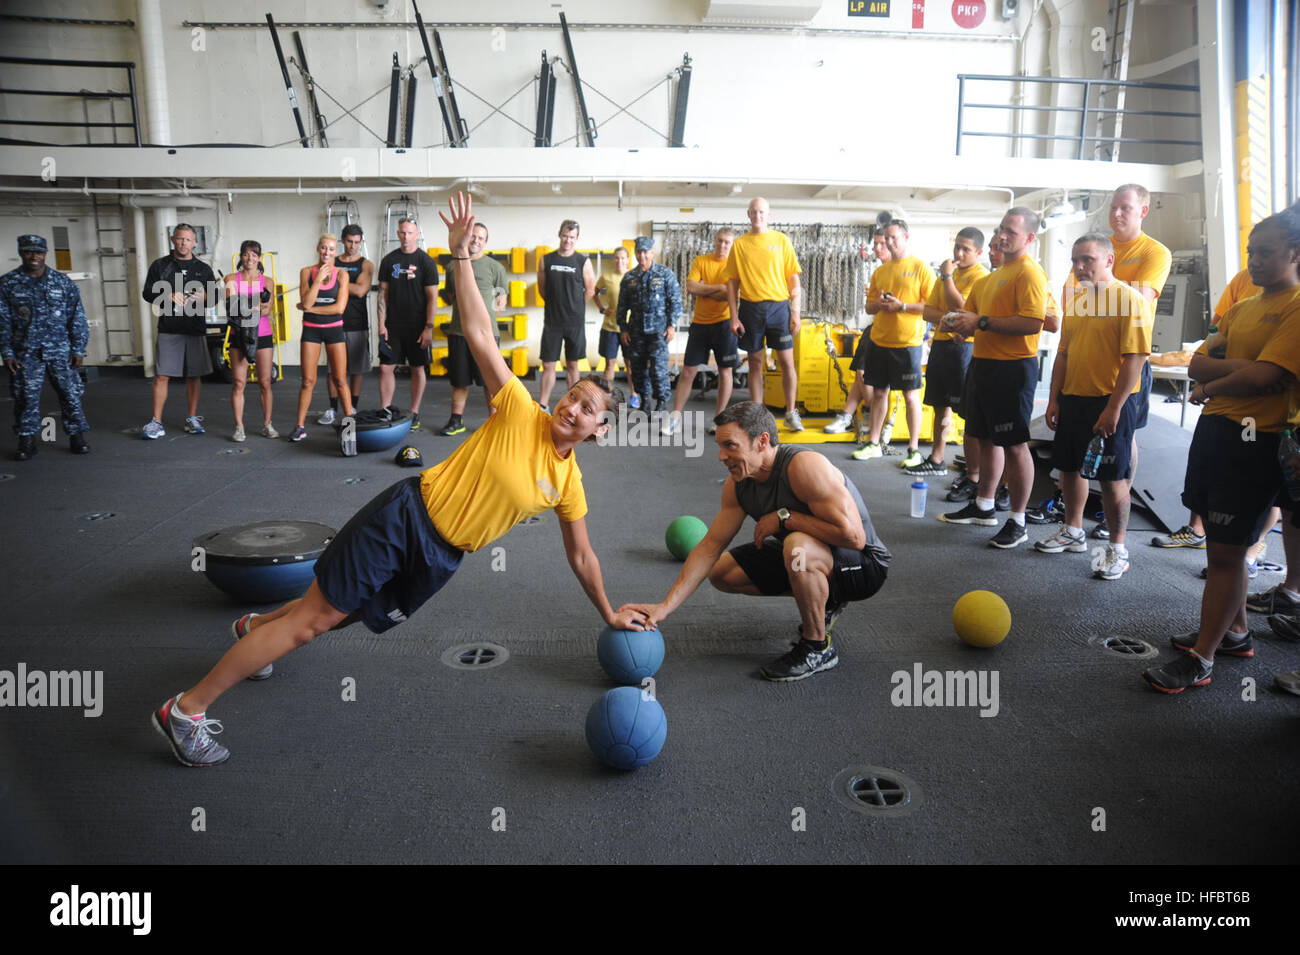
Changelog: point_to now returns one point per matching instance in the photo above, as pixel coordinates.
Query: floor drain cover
(1130, 647)
(98, 516)
(354, 480)
(475, 656)
(233, 451)
(876, 790)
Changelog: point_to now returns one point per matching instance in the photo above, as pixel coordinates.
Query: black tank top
(566, 290)
(759, 498)
(355, 318)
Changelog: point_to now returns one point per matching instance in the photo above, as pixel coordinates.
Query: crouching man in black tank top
(813, 538)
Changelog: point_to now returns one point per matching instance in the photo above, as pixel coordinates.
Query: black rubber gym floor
(1082, 761)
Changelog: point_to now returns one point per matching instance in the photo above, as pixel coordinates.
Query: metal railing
(1085, 111)
(108, 95)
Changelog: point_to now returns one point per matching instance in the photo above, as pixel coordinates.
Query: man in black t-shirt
(356, 319)
(408, 295)
(566, 282)
(181, 288)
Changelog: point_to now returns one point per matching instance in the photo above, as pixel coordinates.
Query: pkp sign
(968, 14)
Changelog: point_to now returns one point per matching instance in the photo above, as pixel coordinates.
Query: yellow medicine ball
(981, 618)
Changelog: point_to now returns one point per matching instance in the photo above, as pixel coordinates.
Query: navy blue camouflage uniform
(649, 302)
(43, 325)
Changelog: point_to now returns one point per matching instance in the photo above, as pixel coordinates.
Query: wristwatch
(983, 323)
(945, 275)
(784, 515)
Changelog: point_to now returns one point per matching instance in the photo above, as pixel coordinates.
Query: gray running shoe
(191, 740)
(327, 418)
(1183, 537)
(1180, 673)
(153, 430)
(793, 421)
(194, 424)
(239, 630)
(1273, 600)
(801, 661)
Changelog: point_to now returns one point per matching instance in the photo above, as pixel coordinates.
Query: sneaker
(268, 431)
(238, 435)
(1273, 600)
(1288, 681)
(1011, 535)
(1002, 498)
(1179, 674)
(1285, 626)
(1233, 645)
(841, 424)
(386, 414)
(633, 403)
(927, 467)
(194, 424)
(1101, 532)
(801, 661)
(832, 614)
(913, 458)
(671, 426)
(962, 489)
(191, 739)
(1183, 537)
(867, 452)
(1051, 510)
(299, 433)
(1113, 565)
(972, 514)
(1252, 571)
(415, 421)
(1062, 540)
(153, 430)
(239, 630)
(793, 421)
(327, 418)
(455, 425)
(711, 428)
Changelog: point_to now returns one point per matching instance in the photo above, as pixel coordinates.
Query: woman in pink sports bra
(323, 300)
(248, 302)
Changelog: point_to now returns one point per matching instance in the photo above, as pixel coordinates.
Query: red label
(918, 14)
(968, 13)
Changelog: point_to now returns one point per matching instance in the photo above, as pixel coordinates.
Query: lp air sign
(968, 14)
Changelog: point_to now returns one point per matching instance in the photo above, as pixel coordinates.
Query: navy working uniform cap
(644, 243)
(31, 243)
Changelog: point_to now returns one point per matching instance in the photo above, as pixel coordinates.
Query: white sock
(1208, 663)
(1018, 517)
(1075, 531)
(984, 503)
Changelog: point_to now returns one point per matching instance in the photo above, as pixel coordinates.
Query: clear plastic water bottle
(1288, 455)
(919, 489)
(1092, 457)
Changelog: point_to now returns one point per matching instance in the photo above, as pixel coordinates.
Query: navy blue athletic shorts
(1231, 481)
(716, 337)
(945, 373)
(895, 368)
(388, 560)
(999, 399)
(1144, 394)
(609, 345)
(765, 323)
(1074, 432)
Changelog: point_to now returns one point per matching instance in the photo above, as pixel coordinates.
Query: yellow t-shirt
(1262, 328)
(1019, 288)
(607, 285)
(964, 279)
(1142, 262)
(506, 471)
(762, 262)
(1239, 287)
(910, 281)
(708, 269)
(1099, 328)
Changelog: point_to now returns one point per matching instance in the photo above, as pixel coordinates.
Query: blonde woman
(323, 298)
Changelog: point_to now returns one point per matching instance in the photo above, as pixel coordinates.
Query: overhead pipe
(154, 72)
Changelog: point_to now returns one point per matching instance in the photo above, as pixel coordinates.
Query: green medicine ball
(683, 534)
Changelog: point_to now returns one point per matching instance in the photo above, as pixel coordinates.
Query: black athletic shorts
(716, 337)
(388, 560)
(462, 369)
(999, 398)
(1144, 394)
(857, 575)
(896, 368)
(860, 353)
(324, 336)
(1233, 479)
(402, 347)
(572, 336)
(945, 373)
(263, 341)
(765, 323)
(1074, 434)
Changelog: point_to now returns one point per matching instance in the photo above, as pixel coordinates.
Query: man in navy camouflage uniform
(43, 332)
(653, 298)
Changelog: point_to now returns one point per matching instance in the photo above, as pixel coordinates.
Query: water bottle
(1288, 453)
(918, 498)
(1092, 457)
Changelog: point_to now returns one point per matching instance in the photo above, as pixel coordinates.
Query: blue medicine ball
(629, 656)
(624, 729)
